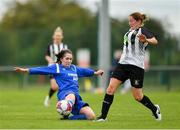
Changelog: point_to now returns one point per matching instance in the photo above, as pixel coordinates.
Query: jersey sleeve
(84, 72)
(147, 33)
(52, 69)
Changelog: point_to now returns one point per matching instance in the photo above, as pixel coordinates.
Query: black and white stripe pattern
(133, 50)
(54, 49)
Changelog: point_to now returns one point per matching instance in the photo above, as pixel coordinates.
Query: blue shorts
(78, 101)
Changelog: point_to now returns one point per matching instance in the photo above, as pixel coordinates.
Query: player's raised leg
(108, 98)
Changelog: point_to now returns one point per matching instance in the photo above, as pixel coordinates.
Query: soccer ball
(64, 107)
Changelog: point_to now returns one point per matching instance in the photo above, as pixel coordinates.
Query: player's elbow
(138, 97)
(154, 41)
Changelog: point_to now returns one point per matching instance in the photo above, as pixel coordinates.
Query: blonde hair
(58, 30)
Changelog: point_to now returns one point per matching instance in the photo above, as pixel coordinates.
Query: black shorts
(125, 71)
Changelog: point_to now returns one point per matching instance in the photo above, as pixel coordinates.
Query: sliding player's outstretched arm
(21, 70)
(52, 69)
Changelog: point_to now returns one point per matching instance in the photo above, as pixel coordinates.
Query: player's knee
(54, 87)
(91, 116)
(110, 90)
(138, 98)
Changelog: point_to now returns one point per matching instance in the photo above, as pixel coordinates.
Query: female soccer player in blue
(52, 50)
(66, 76)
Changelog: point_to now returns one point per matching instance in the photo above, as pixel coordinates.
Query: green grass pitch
(23, 109)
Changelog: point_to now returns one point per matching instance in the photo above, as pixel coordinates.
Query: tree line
(26, 29)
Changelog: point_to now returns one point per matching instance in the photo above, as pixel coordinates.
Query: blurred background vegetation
(26, 29)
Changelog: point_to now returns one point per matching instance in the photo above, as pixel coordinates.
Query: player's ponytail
(58, 29)
(144, 18)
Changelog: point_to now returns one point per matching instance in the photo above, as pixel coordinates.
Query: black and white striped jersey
(134, 50)
(53, 49)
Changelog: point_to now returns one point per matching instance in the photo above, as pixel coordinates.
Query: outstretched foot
(64, 118)
(47, 101)
(100, 119)
(157, 114)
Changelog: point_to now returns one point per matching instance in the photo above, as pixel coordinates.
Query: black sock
(51, 92)
(108, 99)
(147, 102)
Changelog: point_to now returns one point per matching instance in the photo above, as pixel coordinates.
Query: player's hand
(21, 70)
(142, 38)
(99, 72)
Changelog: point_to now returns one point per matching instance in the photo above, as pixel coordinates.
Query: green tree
(31, 25)
(26, 29)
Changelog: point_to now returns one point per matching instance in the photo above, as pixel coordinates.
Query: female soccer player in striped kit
(52, 50)
(131, 66)
(66, 76)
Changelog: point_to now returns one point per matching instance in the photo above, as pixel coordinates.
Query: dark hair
(62, 54)
(138, 16)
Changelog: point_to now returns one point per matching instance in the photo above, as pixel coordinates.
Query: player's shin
(108, 99)
(51, 92)
(147, 102)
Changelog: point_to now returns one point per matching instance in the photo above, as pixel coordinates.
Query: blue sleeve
(44, 70)
(84, 72)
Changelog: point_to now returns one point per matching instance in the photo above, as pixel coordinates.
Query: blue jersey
(67, 80)
(66, 77)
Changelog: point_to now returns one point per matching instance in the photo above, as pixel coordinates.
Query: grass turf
(23, 109)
